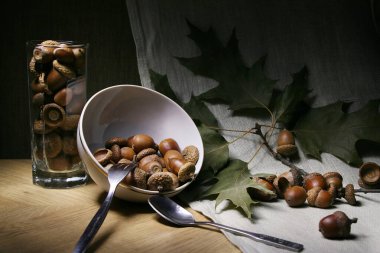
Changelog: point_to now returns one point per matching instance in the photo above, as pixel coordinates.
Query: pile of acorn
(319, 190)
(58, 90)
(160, 167)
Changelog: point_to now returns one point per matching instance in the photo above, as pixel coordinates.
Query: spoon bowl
(171, 211)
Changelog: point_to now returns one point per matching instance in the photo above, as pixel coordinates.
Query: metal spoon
(115, 174)
(174, 213)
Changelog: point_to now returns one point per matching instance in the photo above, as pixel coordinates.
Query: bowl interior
(126, 110)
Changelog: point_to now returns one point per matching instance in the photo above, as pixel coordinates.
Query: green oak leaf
(329, 129)
(239, 86)
(286, 105)
(234, 181)
(196, 108)
(161, 84)
(215, 149)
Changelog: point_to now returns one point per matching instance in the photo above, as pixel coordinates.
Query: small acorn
(336, 225)
(183, 169)
(286, 143)
(170, 154)
(145, 152)
(261, 194)
(141, 141)
(320, 198)
(295, 196)
(313, 180)
(191, 154)
(334, 178)
(127, 153)
(114, 145)
(163, 181)
(168, 144)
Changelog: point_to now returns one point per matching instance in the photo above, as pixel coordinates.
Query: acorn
(263, 195)
(336, 225)
(313, 180)
(286, 143)
(163, 181)
(183, 169)
(191, 154)
(141, 141)
(168, 144)
(295, 196)
(317, 197)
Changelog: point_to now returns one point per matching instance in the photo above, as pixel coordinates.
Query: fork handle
(95, 223)
(269, 240)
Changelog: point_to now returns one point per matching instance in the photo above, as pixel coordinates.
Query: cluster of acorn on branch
(297, 186)
(319, 190)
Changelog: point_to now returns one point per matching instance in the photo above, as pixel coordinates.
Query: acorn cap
(186, 172)
(153, 157)
(151, 168)
(50, 43)
(43, 54)
(125, 161)
(137, 178)
(70, 122)
(312, 195)
(40, 128)
(53, 115)
(103, 156)
(281, 183)
(369, 173)
(116, 140)
(191, 154)
(145, 152)
(66, 71)
(349, 194)
(287, 149)
(366, 186)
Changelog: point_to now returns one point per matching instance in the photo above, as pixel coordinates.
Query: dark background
(111, 60)
(112, 56)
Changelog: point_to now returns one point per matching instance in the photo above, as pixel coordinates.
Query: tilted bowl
(126, 110)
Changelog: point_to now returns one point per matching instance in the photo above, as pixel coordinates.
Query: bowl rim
(101, 168)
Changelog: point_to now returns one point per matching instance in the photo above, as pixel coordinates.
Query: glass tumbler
(57, 94)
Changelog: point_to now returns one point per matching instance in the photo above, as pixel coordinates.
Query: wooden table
(34, 219)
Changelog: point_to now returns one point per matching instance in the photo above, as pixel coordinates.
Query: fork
(115, 175)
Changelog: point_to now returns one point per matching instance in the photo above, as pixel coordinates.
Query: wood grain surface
(34, 219)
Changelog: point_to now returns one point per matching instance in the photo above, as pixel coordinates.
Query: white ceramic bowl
(126, 110)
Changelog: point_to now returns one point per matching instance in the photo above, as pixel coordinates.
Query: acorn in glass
(57, 79)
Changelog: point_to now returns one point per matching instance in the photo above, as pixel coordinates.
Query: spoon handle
(269, 240)
(94, 225)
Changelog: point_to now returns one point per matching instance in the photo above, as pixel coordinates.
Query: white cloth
(337, 42)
